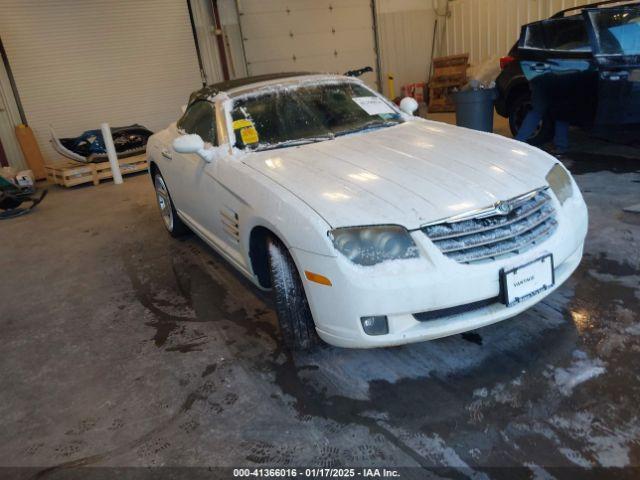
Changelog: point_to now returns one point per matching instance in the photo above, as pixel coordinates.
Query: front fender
(262, 202)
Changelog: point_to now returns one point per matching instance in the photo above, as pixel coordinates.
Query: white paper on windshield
(373, 105)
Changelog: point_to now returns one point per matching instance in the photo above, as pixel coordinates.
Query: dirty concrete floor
(124, 347)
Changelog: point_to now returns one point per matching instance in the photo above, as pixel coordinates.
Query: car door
(211, 208)
(557, 54)
(192, 195)
(615, 37)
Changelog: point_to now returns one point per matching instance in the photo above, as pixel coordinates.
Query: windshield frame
(227, 103)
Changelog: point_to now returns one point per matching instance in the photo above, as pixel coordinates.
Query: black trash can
(474, 108)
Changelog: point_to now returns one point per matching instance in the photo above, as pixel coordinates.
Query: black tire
(296, 322)
(518, 109)
(172, 222)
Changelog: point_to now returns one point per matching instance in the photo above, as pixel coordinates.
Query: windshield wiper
(297, 141)
(367, 126)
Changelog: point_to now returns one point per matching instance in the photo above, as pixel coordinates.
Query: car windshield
(286, 117)
(617, 30)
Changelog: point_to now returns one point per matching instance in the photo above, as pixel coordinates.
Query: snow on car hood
(409, 174)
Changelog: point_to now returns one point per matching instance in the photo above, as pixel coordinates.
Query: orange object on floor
(31, 151)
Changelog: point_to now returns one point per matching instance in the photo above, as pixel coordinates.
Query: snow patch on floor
(575, 457)
(610, 452)
(538, 473)
(481, 392)
(633, 329)
(630, 281)
(582, 369)
(609, 447)
(503, 393)
(550, 430)
(436, 450)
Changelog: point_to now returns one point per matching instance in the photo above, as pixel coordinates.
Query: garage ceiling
(77, 64)
(308, 35)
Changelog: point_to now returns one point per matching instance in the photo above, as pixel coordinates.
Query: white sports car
(373, 227)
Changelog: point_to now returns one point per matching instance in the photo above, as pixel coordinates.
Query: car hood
(410, 174)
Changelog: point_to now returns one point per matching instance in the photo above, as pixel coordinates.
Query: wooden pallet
(69, 173)
(449, 74)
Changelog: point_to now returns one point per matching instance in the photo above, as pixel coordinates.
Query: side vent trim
(230, 223)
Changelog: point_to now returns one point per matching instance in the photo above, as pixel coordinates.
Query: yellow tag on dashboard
(249, 135)
(242, 123)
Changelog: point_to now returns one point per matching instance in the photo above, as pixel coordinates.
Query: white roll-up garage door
(308, 35)
(77, 64)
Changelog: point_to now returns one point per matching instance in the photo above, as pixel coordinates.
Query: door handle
(540, 67)
(166, 154)
(615, 76)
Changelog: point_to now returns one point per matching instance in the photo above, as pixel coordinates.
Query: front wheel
(518, 109)
(296, 322)
(172, 222)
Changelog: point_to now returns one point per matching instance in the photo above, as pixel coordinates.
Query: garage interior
(124, 347)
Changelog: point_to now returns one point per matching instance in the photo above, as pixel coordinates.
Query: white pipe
(111, 153)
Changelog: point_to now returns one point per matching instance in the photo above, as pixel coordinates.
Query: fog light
(375, 325)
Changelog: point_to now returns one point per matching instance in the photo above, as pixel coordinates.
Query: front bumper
(403, 288)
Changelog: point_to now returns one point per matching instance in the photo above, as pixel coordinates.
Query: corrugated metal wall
(487, 28)
(77, 64)
(405, 35)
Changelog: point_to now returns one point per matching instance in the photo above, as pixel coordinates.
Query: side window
(200, 119)
(559, 34)
(263, 114)
(617, 30)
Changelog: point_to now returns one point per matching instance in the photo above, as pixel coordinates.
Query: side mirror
(408, 105)
(188, 144)
(194, 144)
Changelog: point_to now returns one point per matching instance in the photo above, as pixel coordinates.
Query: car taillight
(504, 61)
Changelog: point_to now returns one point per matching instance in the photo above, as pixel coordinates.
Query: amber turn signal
(317, 278)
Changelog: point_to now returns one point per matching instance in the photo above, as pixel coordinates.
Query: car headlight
(371, 245)
(560, 182)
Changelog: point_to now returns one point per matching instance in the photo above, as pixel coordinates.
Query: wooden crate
(69, 173)
(449, 74)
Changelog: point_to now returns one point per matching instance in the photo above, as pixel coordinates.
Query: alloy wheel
(164, 202)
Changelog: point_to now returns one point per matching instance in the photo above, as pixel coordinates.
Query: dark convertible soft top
(215, 88)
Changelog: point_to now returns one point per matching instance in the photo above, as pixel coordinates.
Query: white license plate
(527, 280)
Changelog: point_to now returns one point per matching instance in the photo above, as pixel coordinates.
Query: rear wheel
(518, 109)
(172, 222)
(296, 322)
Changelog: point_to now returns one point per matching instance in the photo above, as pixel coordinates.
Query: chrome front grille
(491, 233)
